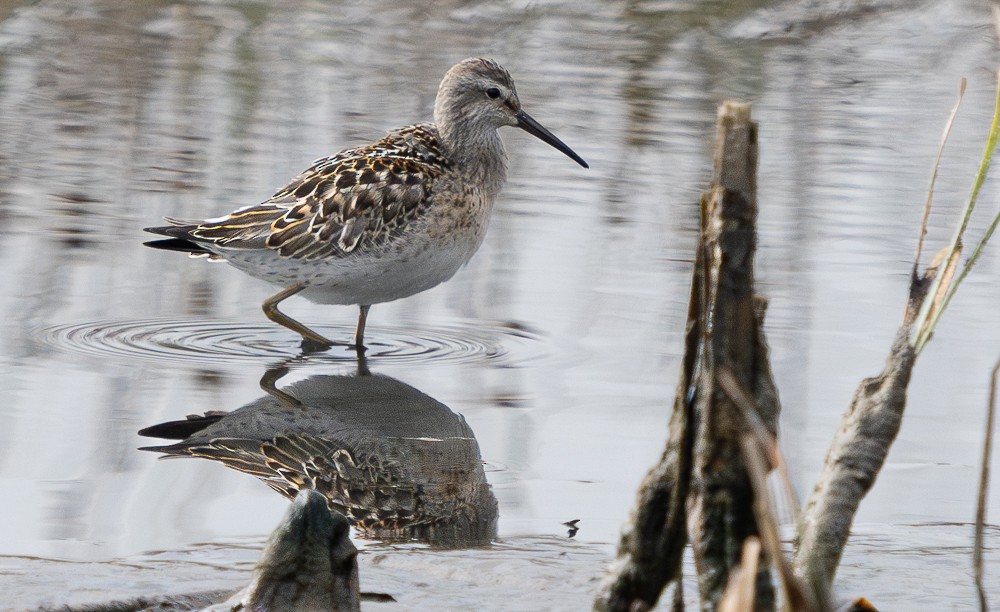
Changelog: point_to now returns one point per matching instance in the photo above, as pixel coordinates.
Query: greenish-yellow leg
(359, 334)
(270, 307)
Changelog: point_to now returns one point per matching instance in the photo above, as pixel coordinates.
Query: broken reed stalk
(872, 420)
(762, 454)
(984, 485)
(741, 592)
(700, 488)
(943, 288)
(934, 173)
(793, 598)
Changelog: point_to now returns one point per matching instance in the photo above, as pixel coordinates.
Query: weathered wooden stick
(722, 496)
(870, 425)
(861, 444)
(700, 486)
(856, 455)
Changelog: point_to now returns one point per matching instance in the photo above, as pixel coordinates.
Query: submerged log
(309, 564)
(700, 490)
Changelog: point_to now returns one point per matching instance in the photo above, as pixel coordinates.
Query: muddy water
(558, 345)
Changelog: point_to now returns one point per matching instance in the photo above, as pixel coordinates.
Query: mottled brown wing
(369, 489)
(287, 464)
(364, 196)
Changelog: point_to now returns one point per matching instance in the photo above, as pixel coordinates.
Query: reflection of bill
(398, 463)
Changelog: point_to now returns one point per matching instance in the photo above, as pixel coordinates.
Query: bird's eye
(493, 93)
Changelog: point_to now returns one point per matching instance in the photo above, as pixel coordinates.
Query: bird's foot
(311, 346)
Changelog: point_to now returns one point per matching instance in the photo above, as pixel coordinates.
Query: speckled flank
(386, 220)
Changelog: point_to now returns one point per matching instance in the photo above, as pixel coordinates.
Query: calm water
(559, 343)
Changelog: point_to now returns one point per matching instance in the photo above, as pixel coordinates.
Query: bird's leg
(359, 334)
(363, 365)
(269, 383)
(270, 306)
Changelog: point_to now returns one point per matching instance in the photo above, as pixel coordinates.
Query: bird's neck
(478, 151)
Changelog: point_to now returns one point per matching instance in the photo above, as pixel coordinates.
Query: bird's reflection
(398, 463)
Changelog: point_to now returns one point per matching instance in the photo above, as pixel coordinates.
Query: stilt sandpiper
(382, 221)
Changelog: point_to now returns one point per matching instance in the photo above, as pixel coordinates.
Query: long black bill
(529, 125)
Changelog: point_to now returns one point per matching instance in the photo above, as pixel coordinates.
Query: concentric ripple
(221, 342)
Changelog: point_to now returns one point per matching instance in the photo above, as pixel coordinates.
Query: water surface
(558, 344)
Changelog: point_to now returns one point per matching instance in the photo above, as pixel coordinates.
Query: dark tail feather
(178, 239)
(179, 430)
(179, 230)
(178, 244)
(170, 451)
